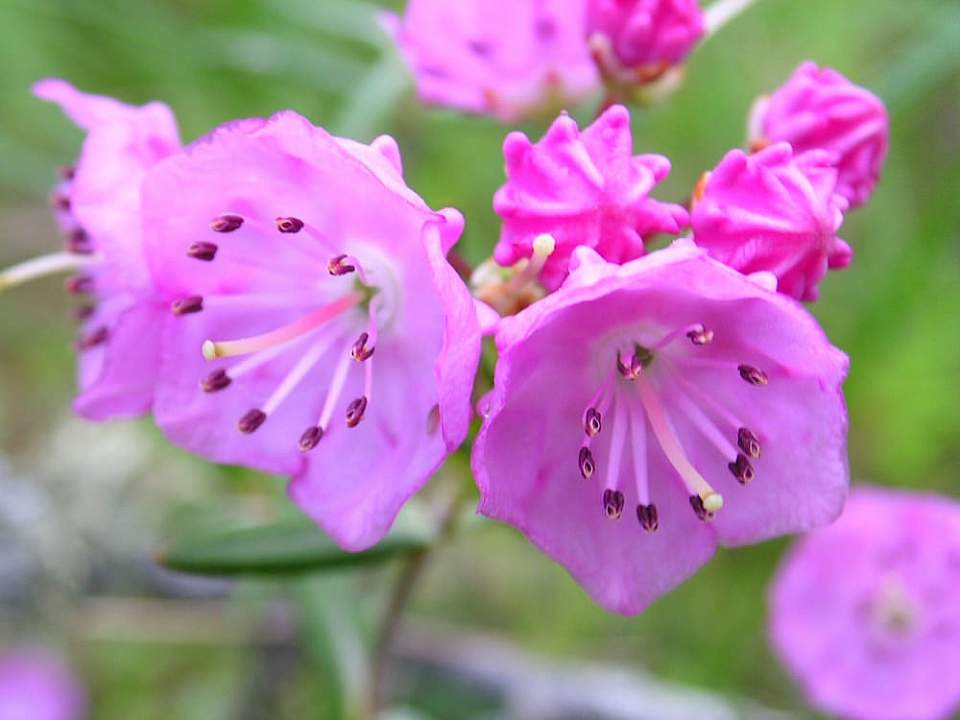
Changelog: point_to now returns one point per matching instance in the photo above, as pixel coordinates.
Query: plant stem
(723, 11)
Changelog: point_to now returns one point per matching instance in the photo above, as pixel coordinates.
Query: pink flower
(98, 208)
(821, 109)
(774, 212)
(583, 189)
(673, 390)
(643, 37)
(36, 686)
(866, 613)
(338, 345)
(506, 58)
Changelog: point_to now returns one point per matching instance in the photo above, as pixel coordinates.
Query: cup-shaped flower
(35, 685)
(97, 205)
(338, 345)
(639, 40)
(866, 613)
(646, 412)
(506, 58)
(582, 188)
(819, 109)
(775, 212)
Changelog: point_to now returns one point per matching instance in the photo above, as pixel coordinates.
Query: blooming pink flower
(98, 207)
(820, 109)
(338, 344)
(506, 58)
(583, 189)
(36, 686)
(671, 388)
(774, 212)
(645, 37)
(866, 613)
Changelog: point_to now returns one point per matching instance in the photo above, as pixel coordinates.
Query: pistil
(44, 265)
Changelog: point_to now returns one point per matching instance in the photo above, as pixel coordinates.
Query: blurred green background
(146, 651)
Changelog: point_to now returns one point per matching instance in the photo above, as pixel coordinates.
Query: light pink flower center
(637, 401)
(330, 328)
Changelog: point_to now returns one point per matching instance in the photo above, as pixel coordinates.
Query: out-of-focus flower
(820, 109)
(866, 613)
(581, 188)
(774, 212)
(339, 346)
(36, 686)
(506, 58)
(97, 205)
(637, 41)
(672, 389)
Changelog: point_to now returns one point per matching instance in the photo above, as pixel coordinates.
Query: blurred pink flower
(866, 613)
(774, 212)
(340, 345)
(506, 58)
(98, 208)
(643, 37)
(37, 686)
(820, 109)
(672, 389)
(582, 188)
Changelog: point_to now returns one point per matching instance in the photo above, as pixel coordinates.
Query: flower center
(329, 330)
(634, 399)
(890, 609)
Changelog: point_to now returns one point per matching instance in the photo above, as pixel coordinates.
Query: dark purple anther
(226, 223)
(752, 375)
(648, 517)
(613, 501)
(587, 465)
(187, 305)
(700, 336)
(630, 367)
(82, 313)
(78, 242)
(360, 351)
(742, 470)
(289, 224)
(60, 201)
(251, 421)
(67, 172)
(355, 411)
(217, 380)
(97, 337)
(696, 502)
(338, 266)
(205, 251)
(78, 284)
(592, 422)
(748, 442)
(311, 436)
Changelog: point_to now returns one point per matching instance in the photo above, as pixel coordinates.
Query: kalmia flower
(866, 613)
(644, 413)
(506, 58)
(637, 41)
(582, 188)
(97, 205)
(35, 685)
(819, 109)
(775, 212)
(338, 344)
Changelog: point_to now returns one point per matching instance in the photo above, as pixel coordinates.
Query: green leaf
(286, 548)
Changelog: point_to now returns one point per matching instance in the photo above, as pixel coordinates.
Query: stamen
(701, 336)
(700, 508)
(360, 351)
(586, 462)
(593, 416)
(638, 442)
(67, 172)
(670, 444)
(742, 469)
(304, 365)
(748, 442)
(355, 411)
(693, 332)
(340, 266)
(298, 328)
(60, 201)
(78, 243)
(78, 285)
(217, 380)
(592, 423)
(630, 367)
(289, 224)
(187, 305)
(333, 393)
(702, 398)
(226, 223)
(251, 421)
(205, 251)
(83, 312)
(705, 425)
(752, 375)
(613, 502)
(648, 517)
(311, 438)
(42, 266)
(617, 439)
(97, 337)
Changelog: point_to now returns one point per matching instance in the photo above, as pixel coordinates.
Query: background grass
(895, 311)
